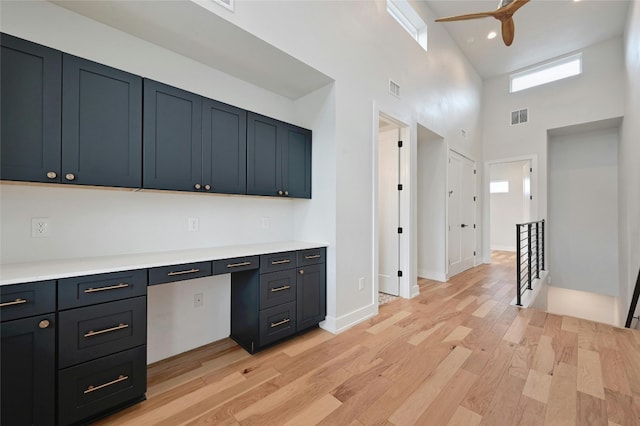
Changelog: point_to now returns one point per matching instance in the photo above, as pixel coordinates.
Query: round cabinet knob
(279, 192)
(197, 186)
(207, 187)
(52, 175)
(301, 271)
(70, 176)
(286, 193)
(44, 324)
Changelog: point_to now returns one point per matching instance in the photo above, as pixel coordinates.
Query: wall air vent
(520, 116)
(394, 88)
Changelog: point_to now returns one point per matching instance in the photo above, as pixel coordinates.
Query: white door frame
(486, 208)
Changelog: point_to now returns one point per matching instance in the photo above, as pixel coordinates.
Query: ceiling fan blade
(467, 17)
(514, 5)
(508, 31)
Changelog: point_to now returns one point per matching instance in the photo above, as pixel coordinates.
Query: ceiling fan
(504, 14)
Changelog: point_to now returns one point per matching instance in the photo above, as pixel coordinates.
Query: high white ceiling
(544, 29)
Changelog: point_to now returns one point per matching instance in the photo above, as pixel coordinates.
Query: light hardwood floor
(458, 354)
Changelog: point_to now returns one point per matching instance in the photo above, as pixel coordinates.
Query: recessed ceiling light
(492, 35)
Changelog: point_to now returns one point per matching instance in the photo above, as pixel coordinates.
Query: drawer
(187, 271)
(277, 322)
(277, 261)
(93, 289)
(312, 256)
(235, 264)
(28, 299)
(94, 331)
(277, 287)
(91, 388)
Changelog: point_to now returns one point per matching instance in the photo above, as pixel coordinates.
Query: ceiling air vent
(394, 88)
(520, 116)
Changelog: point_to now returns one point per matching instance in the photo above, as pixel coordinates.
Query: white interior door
(388, 211)
(461, 213)
(526, 192)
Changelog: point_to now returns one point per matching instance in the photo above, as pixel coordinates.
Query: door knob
(43, 324)
(197, 186)
(464, 225)
(70, 176)
(207, 187)
(52, 175)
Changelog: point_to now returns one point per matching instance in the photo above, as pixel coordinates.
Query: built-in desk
(74, 330)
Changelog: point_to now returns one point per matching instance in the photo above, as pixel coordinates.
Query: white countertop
(13, 273)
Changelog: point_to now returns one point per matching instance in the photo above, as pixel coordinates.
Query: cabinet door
(28, 369)
(297, 161)
(101, 125)
(31, 96)
(264, 156)
(224, 148)
(172, 142)
(311, 295)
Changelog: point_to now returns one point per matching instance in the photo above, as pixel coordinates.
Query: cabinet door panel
(28, 369)
(311, 295)
(101, 124)
(277, 287)
(224, 146)
(263, 156)
(172, 138)
(297, 161)
(31, 96)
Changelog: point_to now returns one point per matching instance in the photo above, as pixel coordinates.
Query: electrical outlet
(40, 227)
(197, 300)
(194, 224)
(361, 283)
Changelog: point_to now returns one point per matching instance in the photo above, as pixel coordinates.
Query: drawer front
(88, 389)
(25, 300)
(168, 274)
(93, 289)
(277, 322)
(277, 261)
(235, 264)
(94, 331)
(312, 256)
(277, 287)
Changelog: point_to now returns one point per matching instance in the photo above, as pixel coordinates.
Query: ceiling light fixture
(492, 35)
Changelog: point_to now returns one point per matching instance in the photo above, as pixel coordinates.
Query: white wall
(507, 209)
(583, 211)
(356, 43)
(432, 210)
(629, 171)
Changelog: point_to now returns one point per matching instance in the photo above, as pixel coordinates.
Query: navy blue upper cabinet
(101, 125)
(278, 158)
(31, 117)
(172, 138)
(224, 147)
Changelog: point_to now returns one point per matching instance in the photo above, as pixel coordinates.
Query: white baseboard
(503, 248)
(338, 325)
(432, 275)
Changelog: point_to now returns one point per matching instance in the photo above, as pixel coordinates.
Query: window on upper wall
(409, 20)
(499, 187)
(551, 71)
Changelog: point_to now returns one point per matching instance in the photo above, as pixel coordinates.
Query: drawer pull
(235, 265)
(106, 330)
(111, 287)
(91, 388)
(284, 287)
(313, 256)
(284, 321)
(190, 271)
(280, 262)
(15, 302)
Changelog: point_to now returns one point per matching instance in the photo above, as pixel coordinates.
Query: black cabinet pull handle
(111, 287)
(280, 262)
(189, 271)
(91, 388)
(12, 303)
(284, 321)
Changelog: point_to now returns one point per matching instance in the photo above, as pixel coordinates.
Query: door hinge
(474, 198)
(399, 273)
(474, 253)
(531, 197)
(400, 230)
(474, 171)
(399, 187)
(474, 226)
(530, 169)
(399, 144)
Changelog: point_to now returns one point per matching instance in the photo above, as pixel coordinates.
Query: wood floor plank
(622, 409)
(315, 412)
(388, 322)
(465, 417)
(592, 411)
(590, 373)
(529, 412)
(537, 386)
(444, 406)
(561, 408)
